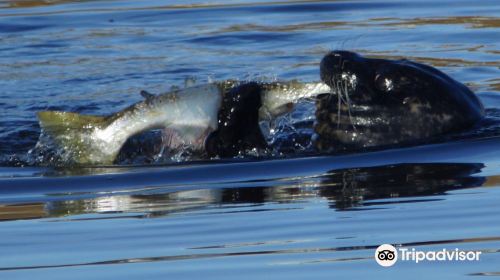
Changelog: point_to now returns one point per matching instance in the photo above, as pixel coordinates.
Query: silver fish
(190, 112)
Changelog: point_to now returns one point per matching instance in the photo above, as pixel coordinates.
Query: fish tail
(75, 137)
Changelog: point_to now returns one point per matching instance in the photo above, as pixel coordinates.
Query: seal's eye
(384, 83)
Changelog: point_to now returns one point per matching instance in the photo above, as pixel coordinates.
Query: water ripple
(301, 251)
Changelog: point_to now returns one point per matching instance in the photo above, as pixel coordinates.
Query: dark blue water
(308, 217)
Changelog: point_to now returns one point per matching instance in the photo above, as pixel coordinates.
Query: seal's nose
(330, 64)
(334, 63)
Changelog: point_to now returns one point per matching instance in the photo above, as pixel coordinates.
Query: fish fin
(74, 136)
(54, 121)
(146, 94)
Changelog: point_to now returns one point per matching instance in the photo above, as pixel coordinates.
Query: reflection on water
(356, 187)
(33, 3)
(337, 218)
(346, 189)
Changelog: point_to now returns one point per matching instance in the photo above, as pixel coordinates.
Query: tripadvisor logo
(387, 255)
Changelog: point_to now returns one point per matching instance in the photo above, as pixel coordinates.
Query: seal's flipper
(146, 94)
(238, 123)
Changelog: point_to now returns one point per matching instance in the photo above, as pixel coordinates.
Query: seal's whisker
(339, 103)
(341, 99)
(334, 89)
(339, 90)
(337, 93)
(348, 101)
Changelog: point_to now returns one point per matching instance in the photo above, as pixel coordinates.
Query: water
(308, 217)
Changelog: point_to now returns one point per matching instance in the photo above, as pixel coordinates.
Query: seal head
(379, 102)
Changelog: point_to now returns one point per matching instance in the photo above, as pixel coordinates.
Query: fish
(188, 115)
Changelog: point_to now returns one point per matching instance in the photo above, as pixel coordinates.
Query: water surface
(309, 217)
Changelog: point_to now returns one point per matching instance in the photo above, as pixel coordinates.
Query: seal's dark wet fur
(379, 102)
(238, 123)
